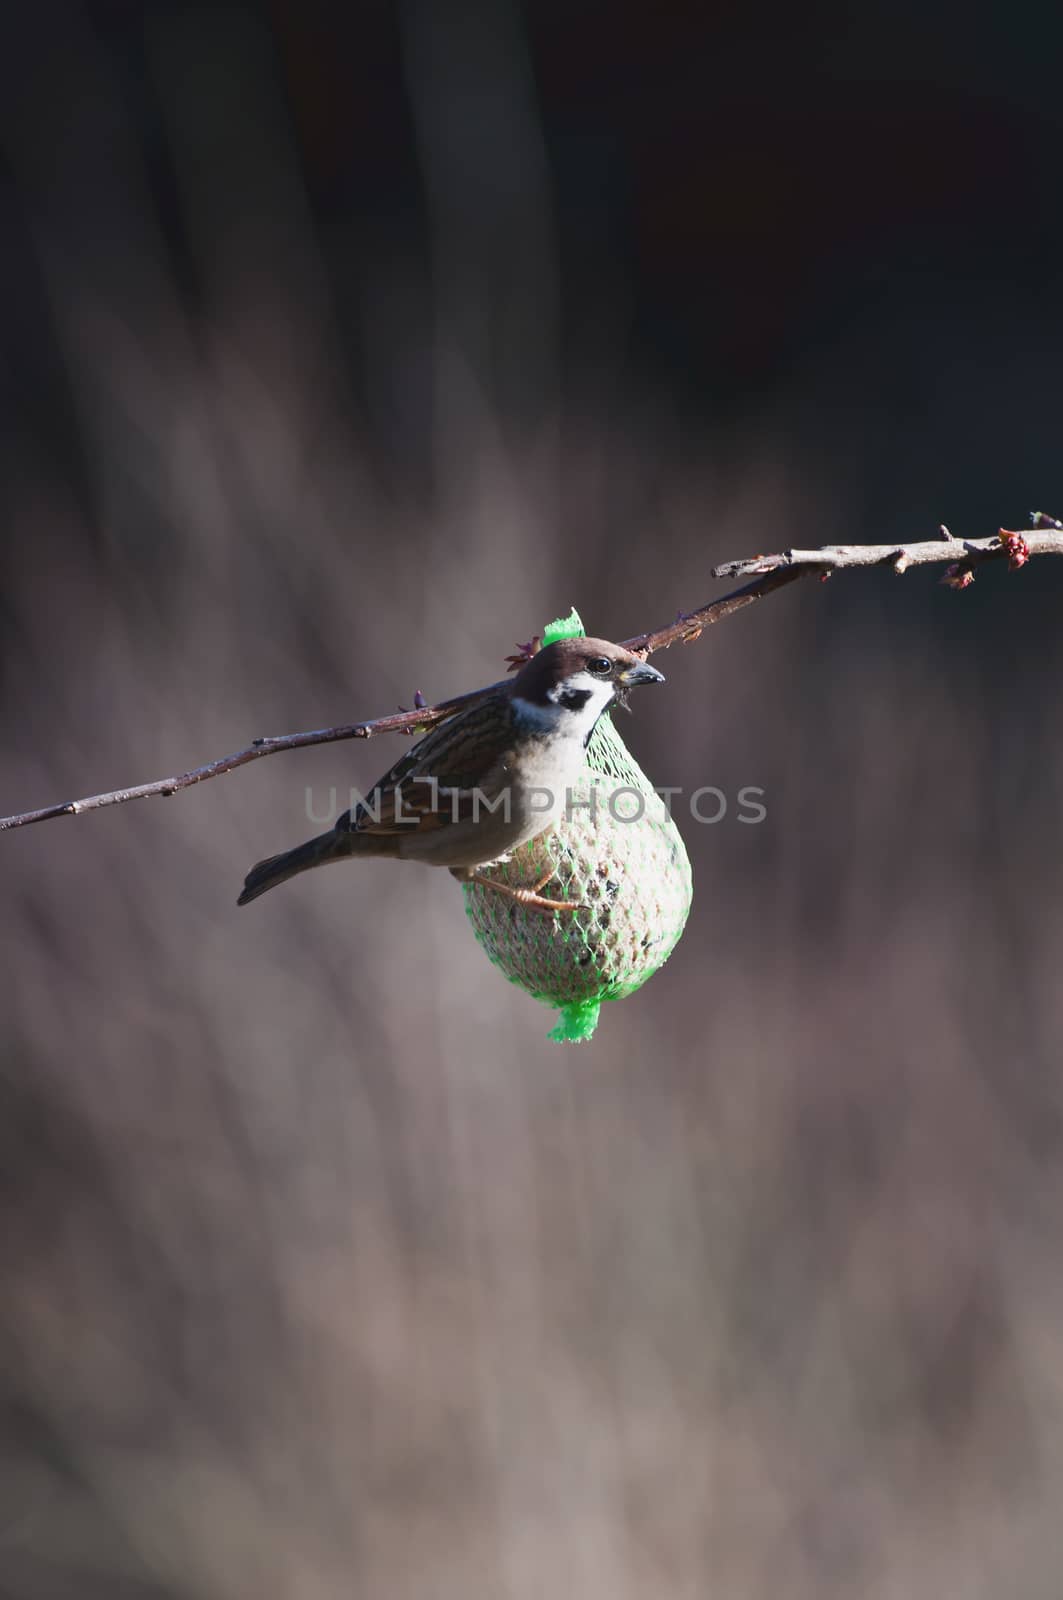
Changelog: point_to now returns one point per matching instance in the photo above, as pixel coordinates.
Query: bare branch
(1016, 548)
(690, 624)
(408, 722)
(685, 627)
(768, 573)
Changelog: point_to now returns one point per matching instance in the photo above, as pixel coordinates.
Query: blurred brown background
(341, 346)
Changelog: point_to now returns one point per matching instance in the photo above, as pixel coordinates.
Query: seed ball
(630, 881)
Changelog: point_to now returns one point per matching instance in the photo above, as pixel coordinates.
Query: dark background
(342, 346)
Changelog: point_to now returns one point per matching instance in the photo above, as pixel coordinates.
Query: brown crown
(562, 660)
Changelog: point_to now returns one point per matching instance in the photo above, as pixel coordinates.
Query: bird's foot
(528, 897)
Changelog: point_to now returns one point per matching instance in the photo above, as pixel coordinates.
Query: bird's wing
(433, 785)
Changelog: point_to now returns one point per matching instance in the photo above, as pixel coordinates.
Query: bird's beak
(641, 672)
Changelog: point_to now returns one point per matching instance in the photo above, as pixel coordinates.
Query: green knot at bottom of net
(576, 1022)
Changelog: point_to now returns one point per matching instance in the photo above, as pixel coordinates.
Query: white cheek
(601, 693)
(574, 724)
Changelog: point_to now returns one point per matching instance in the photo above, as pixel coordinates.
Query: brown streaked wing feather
(458, 755)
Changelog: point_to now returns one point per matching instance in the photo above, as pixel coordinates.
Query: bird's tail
(267, 874)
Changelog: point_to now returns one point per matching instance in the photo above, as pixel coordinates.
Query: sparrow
(487, 780)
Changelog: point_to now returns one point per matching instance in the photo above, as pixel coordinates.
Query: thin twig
(1016, 548)
(767, 572)
(402, 722)
(690, 624)
(685, 627)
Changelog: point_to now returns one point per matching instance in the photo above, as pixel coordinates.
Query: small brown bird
(486, 781)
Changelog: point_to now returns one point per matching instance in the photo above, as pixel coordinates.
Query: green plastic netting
(619, 855)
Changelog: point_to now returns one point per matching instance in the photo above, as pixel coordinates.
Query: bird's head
(579, 679)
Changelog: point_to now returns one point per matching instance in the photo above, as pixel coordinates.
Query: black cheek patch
(574, 699)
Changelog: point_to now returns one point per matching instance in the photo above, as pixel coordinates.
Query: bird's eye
(600, 666)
